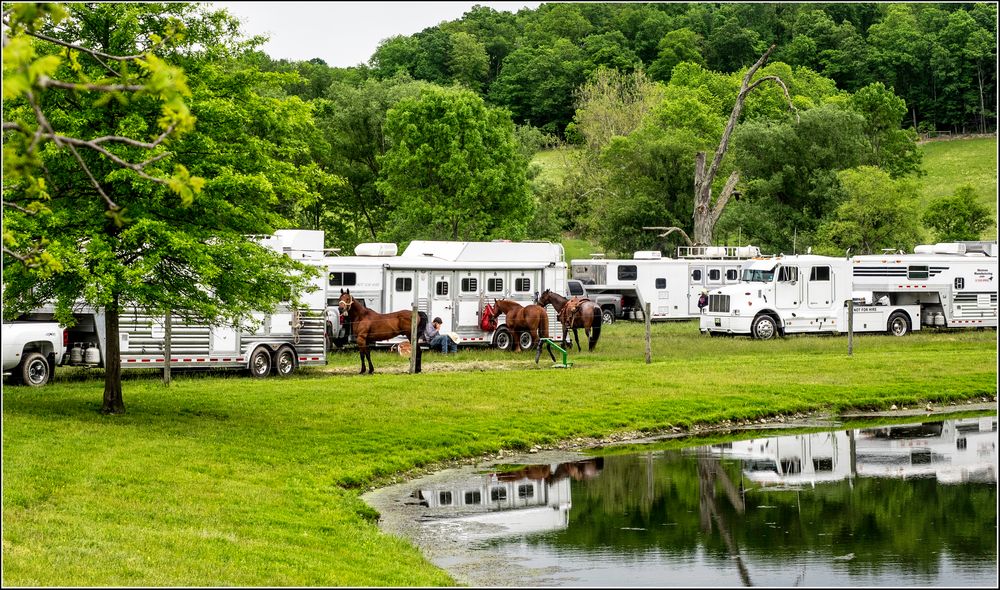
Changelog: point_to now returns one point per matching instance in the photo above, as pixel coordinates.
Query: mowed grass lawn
(229, 481)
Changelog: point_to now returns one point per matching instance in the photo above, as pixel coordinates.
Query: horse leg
(576, 337)
(361, 351)
(368, 355)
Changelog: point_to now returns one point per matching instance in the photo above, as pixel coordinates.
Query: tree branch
(671, 230)
(727, 191)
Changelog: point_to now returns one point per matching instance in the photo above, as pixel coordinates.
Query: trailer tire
(608, 315)
(898, 325)
(502, 340)
(284, 361)
(764, 327)
(260, 363)
(34, 370)
(526, 341)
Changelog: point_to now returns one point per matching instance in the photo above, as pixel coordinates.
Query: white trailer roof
(543, 252)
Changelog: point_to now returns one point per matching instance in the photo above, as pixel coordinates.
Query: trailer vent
(718, 303)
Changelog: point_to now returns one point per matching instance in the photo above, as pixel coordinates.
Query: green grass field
(222, 480)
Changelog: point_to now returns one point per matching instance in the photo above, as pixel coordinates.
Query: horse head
(345, 301)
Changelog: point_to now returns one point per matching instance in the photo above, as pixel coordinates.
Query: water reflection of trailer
(795, 460)
(450, 280)
(534, 499)
(670, 285)
(952, 451)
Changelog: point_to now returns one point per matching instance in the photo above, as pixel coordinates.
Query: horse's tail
(544, 332)
(421, 325)
(595, 327)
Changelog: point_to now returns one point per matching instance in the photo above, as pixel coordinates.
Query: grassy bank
(223, 480)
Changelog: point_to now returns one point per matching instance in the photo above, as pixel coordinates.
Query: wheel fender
(778, 322)
(250, 347)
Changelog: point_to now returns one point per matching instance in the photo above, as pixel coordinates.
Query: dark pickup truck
(610, 303)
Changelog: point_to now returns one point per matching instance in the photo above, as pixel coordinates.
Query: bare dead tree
(707, 213)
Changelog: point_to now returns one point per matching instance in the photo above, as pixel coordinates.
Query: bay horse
(530, 318)
(576, 313)
(369, 326)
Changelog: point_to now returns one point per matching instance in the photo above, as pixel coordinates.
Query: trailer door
(402, 292)
(442, 299)
(469, 285)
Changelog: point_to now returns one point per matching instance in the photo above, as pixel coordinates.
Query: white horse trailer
(955, 284)
(274, 343)
(670, 285)
(450, 280)
(800, 294)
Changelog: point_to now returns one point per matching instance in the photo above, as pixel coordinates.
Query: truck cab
(611, 304)
(31, 351)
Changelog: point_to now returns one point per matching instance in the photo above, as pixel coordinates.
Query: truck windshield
(755, 275)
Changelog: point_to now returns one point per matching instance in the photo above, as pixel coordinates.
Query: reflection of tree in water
(710, 477)
(659, 500)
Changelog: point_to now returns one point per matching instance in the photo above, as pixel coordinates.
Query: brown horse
(576, 313)
(530, 318)
(369, 326)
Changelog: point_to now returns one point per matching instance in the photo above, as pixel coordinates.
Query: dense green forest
(642, 87)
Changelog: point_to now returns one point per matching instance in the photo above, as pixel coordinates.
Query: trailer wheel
(899, 324)
(503, 340)
(608, 315)
(34, 370)
(284, 361)
(260, 362)
(526, 341)
(764, 327)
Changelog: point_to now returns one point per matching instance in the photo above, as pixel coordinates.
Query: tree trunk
(113, 403)
(706, 214)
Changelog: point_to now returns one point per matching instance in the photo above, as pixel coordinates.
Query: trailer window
(404, 284)
(498, 494)
(470, 285)
(525, 491)
(732, 274)
(522, 285)
(474, 497)
(444, 498)
(494, 285)
(627, 272)
(917, 272)
(661, 283)
(441, 288)
(959, 283)
(343, 279)
(696, 275)
(819, 273)
(714, 275)
(788, 274)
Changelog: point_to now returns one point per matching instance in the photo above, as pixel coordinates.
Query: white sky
(344, 33)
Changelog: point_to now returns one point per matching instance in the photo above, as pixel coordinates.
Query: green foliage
(454, 170)
(676, 46)
(892, 149)
(878, 213)
(959, 217)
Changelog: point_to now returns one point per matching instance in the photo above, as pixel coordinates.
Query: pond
(909, 504)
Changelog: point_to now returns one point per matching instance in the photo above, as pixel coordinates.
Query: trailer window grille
(498, 494)
(343, 279)
(628, 272)
(404, 284)
(525, 491)
(959, 283)
(718, 303)
(522, 285)
(470, 285)
(661, 283)
(917, 272)
(441, 288)
(494, 285)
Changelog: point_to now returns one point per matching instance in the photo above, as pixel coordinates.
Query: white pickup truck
(31, 351)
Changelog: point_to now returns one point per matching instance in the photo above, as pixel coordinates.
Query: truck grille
(718, 303)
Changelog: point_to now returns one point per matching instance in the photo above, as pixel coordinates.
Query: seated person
(438, 341)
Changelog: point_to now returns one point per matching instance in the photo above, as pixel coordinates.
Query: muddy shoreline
(400, 516)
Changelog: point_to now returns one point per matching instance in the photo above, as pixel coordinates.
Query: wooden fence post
(414, 345)
(850, 327)
(649, 350)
